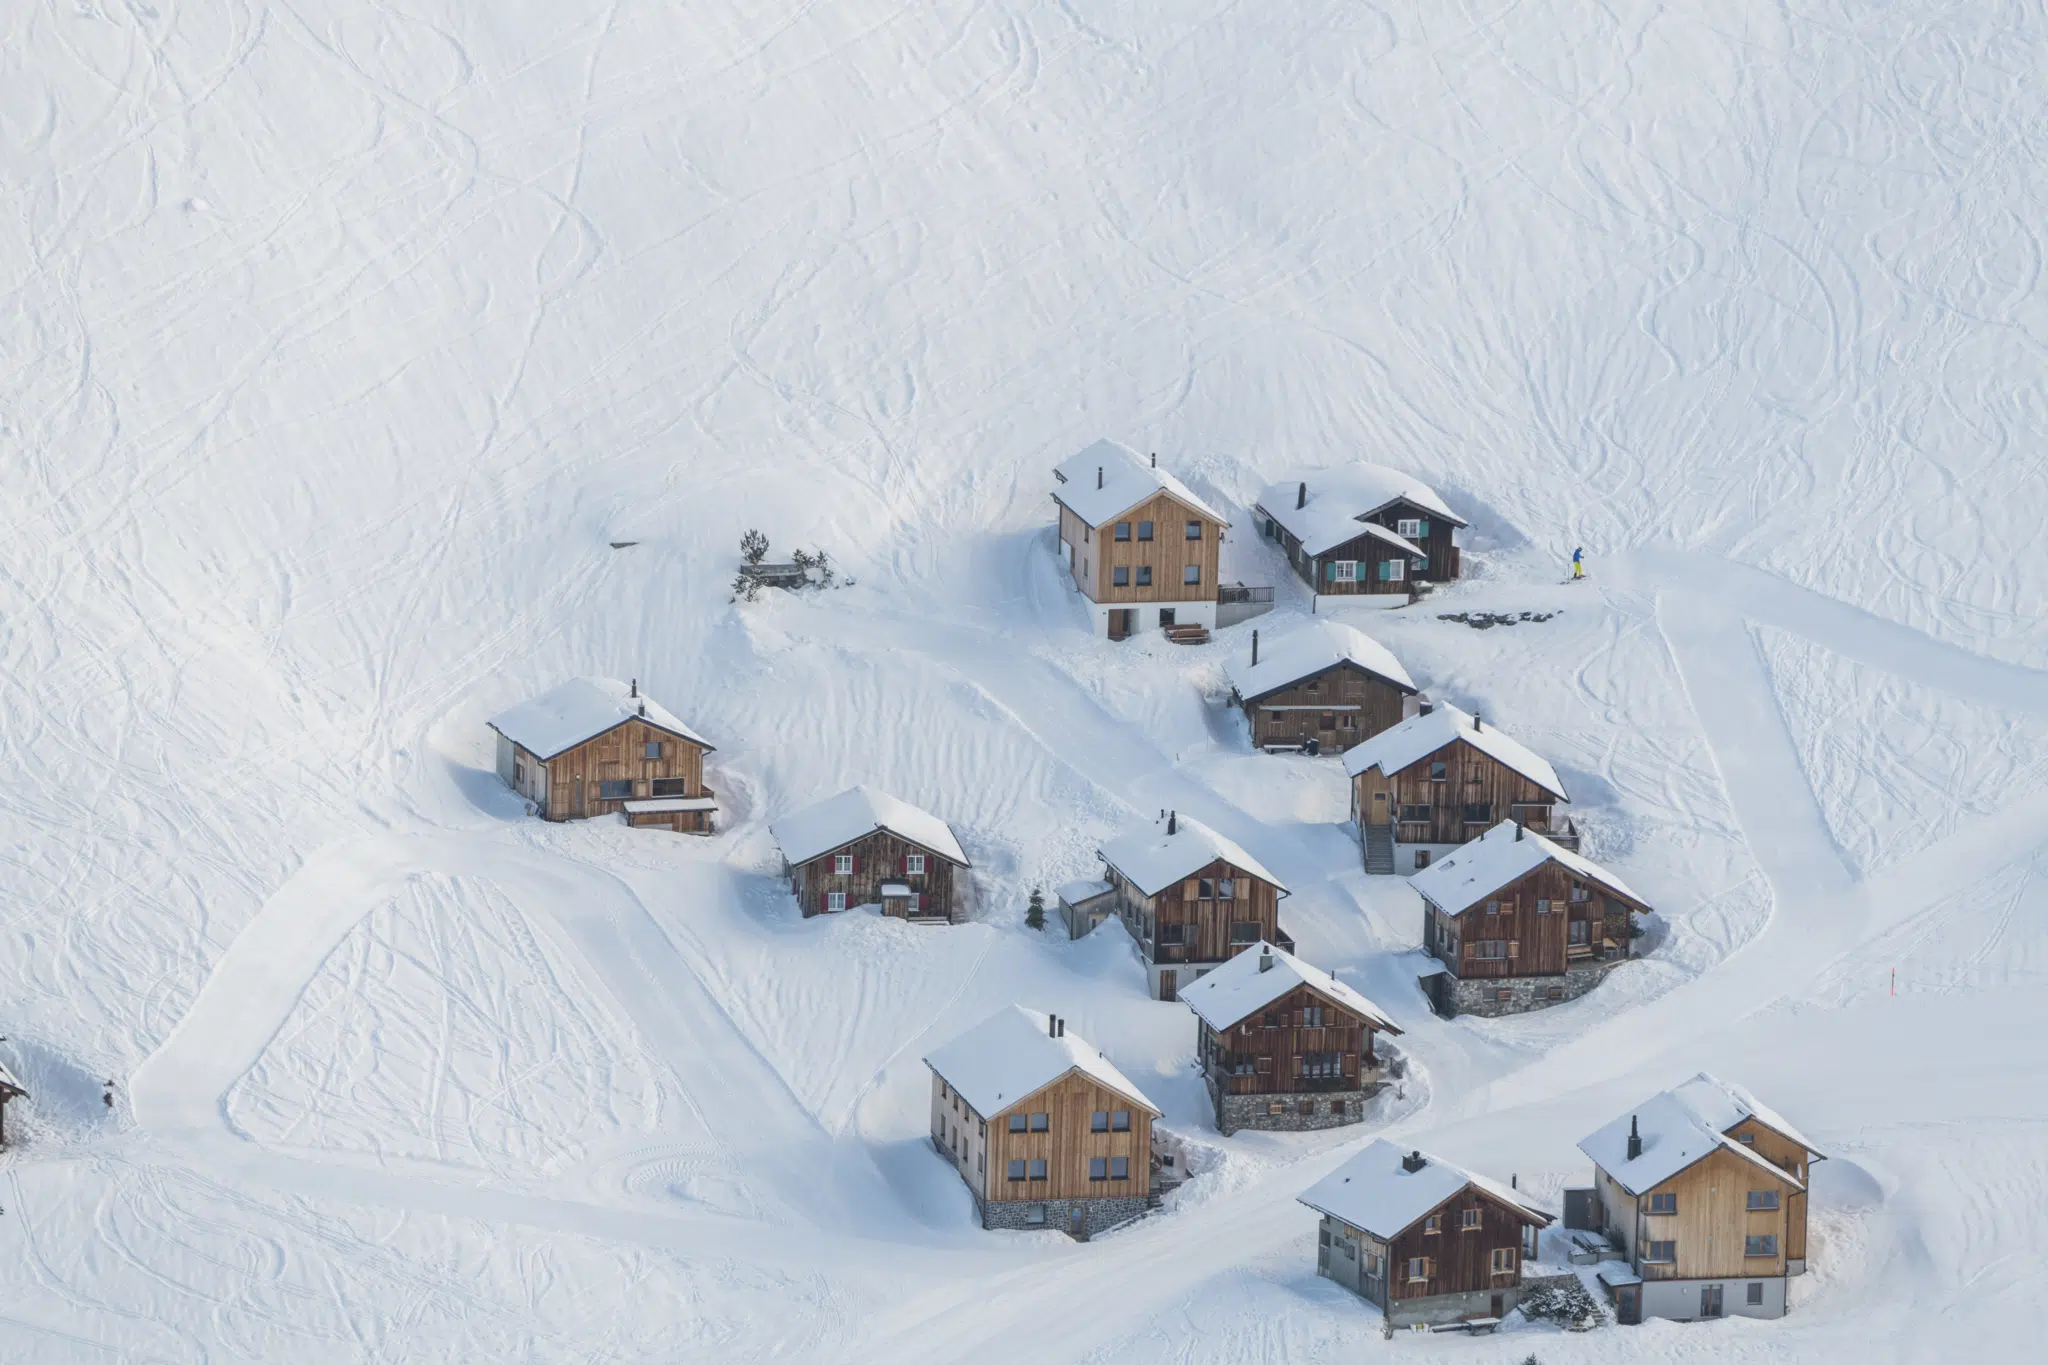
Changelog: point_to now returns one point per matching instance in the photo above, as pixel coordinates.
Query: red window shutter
(824, 901)
(856, 864)
(903, 864)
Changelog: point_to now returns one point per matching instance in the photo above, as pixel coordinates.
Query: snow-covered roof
(855, 813)
(1338, 498)
(1153, 859)
(1680, 1127)
(1473, 871)
(663, 805)
(1012, 1054)
(580, 709)
(1077, 892)
(1308, 650)
(1420, 736)
(1126, 479)
(8, 1084)
(1240, 988)
(1374, 1192)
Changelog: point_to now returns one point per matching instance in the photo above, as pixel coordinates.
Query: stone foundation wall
(1035, 1215)
(1480, 996)
(1253, 1111)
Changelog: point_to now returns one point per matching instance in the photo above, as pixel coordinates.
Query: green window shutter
(1422, 527)
(1330, 571)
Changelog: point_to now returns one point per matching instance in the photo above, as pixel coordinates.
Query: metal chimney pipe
(1173, 822)
(636, 688)
(1052, 1026)
(1255, 649)
(1301, 495)
(1635, 1139)
(1155, 459)
(1098, 476)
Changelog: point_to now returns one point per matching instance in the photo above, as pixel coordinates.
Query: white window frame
(835, 900)
(913, 864)
(1344, 571)
(842, 864)
(1394, 570)
(1408, 528)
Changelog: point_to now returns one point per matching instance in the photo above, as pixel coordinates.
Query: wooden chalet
(1322, 687)
(10, 1090)
(1140, 545)
(1362, 530)
(1191, 899)
(595, 746)
(1424, 1240)
(865, 847)
(1043, 1129)
(1443, 777)
(1703, 1190)
(1519, 922)
(1284, 1045)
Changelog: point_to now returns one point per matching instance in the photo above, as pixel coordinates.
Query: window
(1421, 859)
(1439, 772)
(1120, 577)
(1418, 1267)
(1098, 1122)
(1265, 1068)
(1119, 1168)
(1205, 889)
(1322, 1066)
(1344, 571)
(1244, 932)
(842, 864)
(835, 900)
(1746, 1139)
(1493, 907)
(1336, 1108)
(614, 791)
(1581, 931)
(1663, 1203)
(653, 750)
(1123, 530)
(1194, 531)
(1755, 1296)
(1016, 1170)
(1490, 949)
(671, 786)
(913, 864)
(1415, 815)
(1276, 1107)
(1305, 1109)
(1172, 935)
(1038, 1168)
(1761, 1200)
(1017, 1122)
(984, 1128)
(1434, 1223)
(1144, 530)
(1409, 528)
(1760, 1246)
(1471, 1220)
(981, 1163)
(1579, 892)
(1393, 570)
(1503, 1260)
(1660, 1253)
(1098, 1168)
(1312, 1017)
(1035, 1214)
(1542, 905)
(1040, 1122)
(1553, 992)
(1478, 813)
(1226, 889)
(1191, 575)
(1120, 1121)
(1327, 721)
(1144, 575)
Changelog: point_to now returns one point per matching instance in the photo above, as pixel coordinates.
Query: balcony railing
(1239, 593)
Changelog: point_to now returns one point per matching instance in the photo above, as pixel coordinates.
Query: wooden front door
(1169, 984)
(1499, 1306)
(1628, 1305)
(1379, 811)
(1120, 622)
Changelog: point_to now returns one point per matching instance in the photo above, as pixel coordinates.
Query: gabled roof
(1241, 988)
(1679, 1128)
(856, 813)
(1012, 1055)
(10, 1087)
(1125, 479)
(1420, 736)
(1306, 651)
(1372, 1191)
(1473, 871)
(1153, 859)
(1340, 498)
(1081, 891)
(581, 709)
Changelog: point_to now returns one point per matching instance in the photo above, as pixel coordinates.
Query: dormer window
(1411, 528)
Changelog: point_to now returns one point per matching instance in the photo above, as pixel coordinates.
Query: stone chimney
(1413, 1162)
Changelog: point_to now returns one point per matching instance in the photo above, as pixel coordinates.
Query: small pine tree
(1034, 912)
(753, 547)
(802, 559)
(824, 568)
(746, 588)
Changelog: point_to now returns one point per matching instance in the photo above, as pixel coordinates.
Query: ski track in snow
(343, 341)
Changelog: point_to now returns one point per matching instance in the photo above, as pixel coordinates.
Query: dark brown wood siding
(575, 776)
(1202, 924)
(1460, 1261)
(1274, 1042)
(1539, 942)
(1471, 777)
(1337, 707)
(1436, 544)
(877, 858)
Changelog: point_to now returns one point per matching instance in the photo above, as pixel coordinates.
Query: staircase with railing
(1379, 850)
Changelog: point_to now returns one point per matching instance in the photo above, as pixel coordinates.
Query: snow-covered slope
(344, 341)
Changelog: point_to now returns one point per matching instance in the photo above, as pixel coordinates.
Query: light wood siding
(961, 1134)
(1068, 1143)
(1783, 1152)
(619, 754)
(1540, 943)
(1713, 1221)
(1338, 707)
(1087, 562)
(1277, 1050)
(1463, 1261)
(1168, 553)
(1471, 776)
(1205, 924)
(877, 858)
